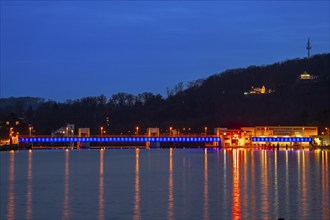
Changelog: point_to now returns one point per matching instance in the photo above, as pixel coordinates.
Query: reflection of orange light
(101, 188)
(264, 174)
(170, 211)
(275, 183)
(137, 211)
(325, 185)
(236, 206)
(253, 178)
(66, 187)
(29, 188)
(11, 189)
(304, 188)
(286, 181)
(206, 187)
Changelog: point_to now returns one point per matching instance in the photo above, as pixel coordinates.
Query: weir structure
(215, 141)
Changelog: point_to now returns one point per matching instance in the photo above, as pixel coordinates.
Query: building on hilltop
(307, 76)
(258, 90)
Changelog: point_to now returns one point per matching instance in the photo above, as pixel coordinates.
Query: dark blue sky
(66, 50)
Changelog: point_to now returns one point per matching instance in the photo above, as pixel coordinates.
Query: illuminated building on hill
(307, 76)
(258, 90)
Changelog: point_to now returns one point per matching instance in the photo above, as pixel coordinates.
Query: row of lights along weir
(121, 139)
(282, 139)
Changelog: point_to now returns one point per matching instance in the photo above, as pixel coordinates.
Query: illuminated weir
(114, 139)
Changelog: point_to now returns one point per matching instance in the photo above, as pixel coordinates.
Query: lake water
(165, 184)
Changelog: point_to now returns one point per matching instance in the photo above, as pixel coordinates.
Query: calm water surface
(165, 184)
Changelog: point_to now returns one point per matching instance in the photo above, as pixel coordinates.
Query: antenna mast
(308, 48)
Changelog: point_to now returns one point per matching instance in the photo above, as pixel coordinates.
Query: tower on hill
(308, 48)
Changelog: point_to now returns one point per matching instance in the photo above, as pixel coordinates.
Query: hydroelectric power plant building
(268, 135)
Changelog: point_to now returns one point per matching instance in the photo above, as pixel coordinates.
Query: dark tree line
(217, 101)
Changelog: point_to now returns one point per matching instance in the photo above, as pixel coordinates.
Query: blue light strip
(281, 139)
(118, 139)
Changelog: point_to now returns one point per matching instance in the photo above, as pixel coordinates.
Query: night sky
(67, 50)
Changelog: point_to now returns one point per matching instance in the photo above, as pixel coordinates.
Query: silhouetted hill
(220, 99)
(217, 101)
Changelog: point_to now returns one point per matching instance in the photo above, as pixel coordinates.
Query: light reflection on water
(137, 211)
(186, 183)
(325, 186)
(11, 191)
(101, 188)
(29, 188)
(206, 187)
(170, 212)
(236, 204)
(66, 187)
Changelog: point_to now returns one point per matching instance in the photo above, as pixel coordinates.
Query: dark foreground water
(165, 184)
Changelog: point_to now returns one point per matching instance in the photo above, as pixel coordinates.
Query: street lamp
(101, 128)
(137, 130)
(30, 131)
(171, 131)
(303, 133)
(67, 131)
(205, 130)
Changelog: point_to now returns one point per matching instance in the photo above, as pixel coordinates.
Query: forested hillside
(217, 101)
